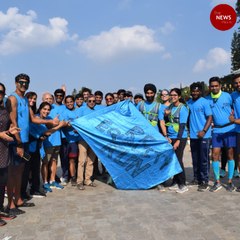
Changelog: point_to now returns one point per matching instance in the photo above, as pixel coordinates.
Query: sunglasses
(2, 92)
(91, 101)
(23, 83)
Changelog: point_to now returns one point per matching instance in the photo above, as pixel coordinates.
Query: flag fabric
(133, 152)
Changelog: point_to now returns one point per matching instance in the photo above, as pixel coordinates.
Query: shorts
(238, 144)
(72, 150)
(16, 160)
(227, 140)
(3, 176)
(51, 153)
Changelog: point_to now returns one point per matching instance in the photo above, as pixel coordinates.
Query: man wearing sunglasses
(20, 115)
(86, 156)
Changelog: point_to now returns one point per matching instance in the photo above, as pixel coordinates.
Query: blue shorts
(72, 150)
(227, 140)
(238, 144)
(16, 160)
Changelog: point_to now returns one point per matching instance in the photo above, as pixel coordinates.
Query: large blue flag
(133, 152)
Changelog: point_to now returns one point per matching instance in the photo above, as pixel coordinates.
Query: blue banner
(133, 152)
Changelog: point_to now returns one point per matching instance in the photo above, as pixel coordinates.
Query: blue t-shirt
(69, 132)
(200, 110)
(183, 117)
(23, 119)
(150, 106)
(55, 138)
(236, 106)
(221, 109)
(82, 111)
(36, 131)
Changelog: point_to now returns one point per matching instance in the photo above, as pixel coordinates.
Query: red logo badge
(223, 17)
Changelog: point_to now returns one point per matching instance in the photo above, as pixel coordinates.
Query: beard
(150, 99)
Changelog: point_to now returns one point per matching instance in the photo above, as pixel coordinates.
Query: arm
(54, 129)
(12, 107)
(234, 120)
(206, 127)
(49, 122)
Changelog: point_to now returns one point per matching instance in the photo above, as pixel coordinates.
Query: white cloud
(167, 28)
(215, 58)
(229, 2)
(120, 40)
(20, 32)
(166, 56)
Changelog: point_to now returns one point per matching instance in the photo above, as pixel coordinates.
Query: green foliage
(235, 51)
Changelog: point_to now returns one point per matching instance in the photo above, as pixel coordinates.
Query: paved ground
(107, 213)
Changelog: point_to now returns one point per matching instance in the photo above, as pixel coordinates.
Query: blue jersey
(82, 111)
(200, 110)
(236, 106)
(69, 132)
(55, 138)
(221, 110)
(22, 117)
(36, 131)
(172, 130)
(149, 108)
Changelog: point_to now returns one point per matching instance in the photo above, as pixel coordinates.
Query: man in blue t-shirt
(86, 155)
(223, 132)
(200, 120)
(236, 117)
(153, 112)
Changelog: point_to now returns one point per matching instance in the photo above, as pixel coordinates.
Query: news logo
(223, 17)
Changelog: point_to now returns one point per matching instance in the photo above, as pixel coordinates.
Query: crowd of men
(33, 139)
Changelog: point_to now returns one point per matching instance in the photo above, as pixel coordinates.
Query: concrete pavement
(107, 213)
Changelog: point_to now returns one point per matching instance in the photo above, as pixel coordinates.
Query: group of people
(33, 139)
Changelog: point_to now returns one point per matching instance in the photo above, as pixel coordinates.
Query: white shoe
(182, 189)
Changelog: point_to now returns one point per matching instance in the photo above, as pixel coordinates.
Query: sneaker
(161, 188)
(222, 173)
(203, 187)
(57, 179)
(46, 187)
(64, 181)
(236, 173)
(173, 187)
(217, 186)
(56, 185)
(193, 183)
(182, 189)
(73, 181)
(230, 187)
(91, 184)
(38, 194)
(80, 186)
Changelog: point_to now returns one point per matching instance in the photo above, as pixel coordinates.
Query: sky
(111, 44)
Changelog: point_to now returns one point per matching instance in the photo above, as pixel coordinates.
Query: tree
(238, 10)
(235, 51)
(235, 45)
